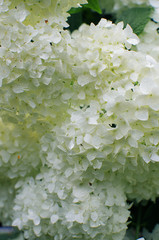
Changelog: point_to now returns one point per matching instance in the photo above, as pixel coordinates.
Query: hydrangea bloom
(81, 113)
(29, 57)
(76, 209)
(149, 41)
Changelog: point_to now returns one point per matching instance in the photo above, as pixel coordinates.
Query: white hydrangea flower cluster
(78, 123)
(76, 209)
(112, 120)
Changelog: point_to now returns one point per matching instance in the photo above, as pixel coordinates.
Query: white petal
(155, 157)
(142, 115)
(54, 218)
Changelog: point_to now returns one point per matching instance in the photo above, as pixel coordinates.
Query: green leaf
(137, 18)
(94, 5)
(75, 10)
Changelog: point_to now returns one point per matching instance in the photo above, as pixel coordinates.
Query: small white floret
(142, 114)
(155, 157)
(54, 218)
(37, 230)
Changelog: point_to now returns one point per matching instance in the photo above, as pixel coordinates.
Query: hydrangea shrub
(78, 122)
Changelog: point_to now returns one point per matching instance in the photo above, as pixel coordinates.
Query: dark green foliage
(75, 20)
(144, 215)
(86, 15)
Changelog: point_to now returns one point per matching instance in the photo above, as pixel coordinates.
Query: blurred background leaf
(94, 5)
(136, 17)
(10, 233)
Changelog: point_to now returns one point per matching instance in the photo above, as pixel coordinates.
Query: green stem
(138, 225)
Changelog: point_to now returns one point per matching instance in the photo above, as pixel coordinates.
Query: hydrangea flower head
(81, 113)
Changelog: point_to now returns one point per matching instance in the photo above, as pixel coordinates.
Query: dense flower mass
(79, 130)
